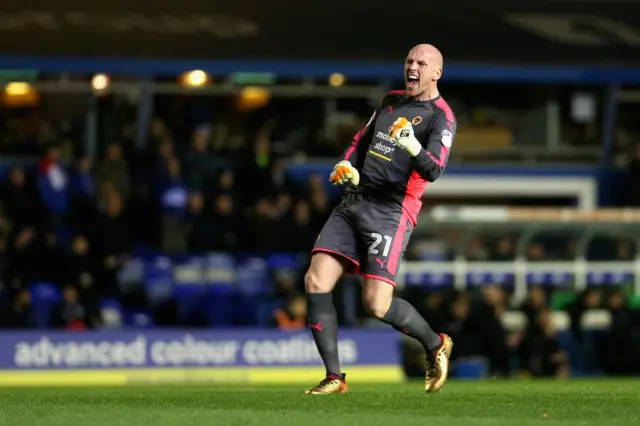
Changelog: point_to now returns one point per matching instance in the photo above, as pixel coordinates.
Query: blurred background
(163, 175)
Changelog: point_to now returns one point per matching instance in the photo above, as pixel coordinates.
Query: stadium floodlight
(100, 82)
(17, 88)
(336, 80)
(195, 78)
(254, 97)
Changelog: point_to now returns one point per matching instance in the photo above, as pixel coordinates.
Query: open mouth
(412, 81)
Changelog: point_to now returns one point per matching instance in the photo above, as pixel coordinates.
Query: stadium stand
(153, 197)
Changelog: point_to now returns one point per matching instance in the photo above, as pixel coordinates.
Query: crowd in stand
(74, 220)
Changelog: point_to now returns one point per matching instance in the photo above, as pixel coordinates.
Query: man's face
(420, 68)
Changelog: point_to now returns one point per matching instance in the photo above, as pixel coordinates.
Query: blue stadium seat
(158, 280)
(131, 274)
(220, 280)
(44, 297)
(284, 261)
(253, 277)
(266, 309)
(189, 289)
(137, 319)
(253, 283)
(112, 313)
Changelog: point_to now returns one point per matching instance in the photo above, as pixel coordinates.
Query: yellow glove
(344, 172)
(402, 135)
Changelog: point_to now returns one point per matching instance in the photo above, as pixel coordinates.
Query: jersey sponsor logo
(383, 148)
(416, 120)
(385, 137)
(447, 138)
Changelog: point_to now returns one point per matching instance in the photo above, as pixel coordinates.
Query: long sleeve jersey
(385, 170)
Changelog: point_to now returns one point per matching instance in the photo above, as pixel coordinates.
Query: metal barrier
(578, 273)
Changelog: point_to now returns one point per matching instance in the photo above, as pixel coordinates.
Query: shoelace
(433, 366)
(326, 381)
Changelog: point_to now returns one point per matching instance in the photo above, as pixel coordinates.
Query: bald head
(423, 69)
(430, 51)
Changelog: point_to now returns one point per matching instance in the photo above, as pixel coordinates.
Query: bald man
(403, 147)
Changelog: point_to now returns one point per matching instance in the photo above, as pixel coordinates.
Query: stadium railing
(520, 273)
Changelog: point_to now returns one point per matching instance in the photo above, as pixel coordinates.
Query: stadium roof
(360, 38)
(498, 31)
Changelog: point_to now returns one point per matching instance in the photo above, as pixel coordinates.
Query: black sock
(404, 317)
(323, 322)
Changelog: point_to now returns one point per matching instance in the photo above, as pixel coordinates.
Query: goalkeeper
(403, 147)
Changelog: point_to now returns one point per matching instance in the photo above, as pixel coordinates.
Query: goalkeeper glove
(402, 135)
(344, 172)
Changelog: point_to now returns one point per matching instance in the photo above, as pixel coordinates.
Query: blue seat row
(217, 289)
(552, 279)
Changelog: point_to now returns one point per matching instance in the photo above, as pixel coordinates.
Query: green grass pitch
(486, 403)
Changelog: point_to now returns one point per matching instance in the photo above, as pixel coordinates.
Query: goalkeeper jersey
(386, 171)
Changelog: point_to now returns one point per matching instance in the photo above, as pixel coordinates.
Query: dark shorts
(372, 235)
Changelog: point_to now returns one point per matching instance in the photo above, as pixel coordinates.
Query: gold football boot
(438, 365)
(331, 384)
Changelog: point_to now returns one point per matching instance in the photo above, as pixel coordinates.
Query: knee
(313, 282)
(323, 273)
(376, 303)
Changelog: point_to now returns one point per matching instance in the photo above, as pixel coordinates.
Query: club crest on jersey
(447, 138)
(416, 120)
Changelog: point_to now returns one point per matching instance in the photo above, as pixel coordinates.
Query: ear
(436, 74)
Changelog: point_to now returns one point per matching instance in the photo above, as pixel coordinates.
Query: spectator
(620, 355)
(265, 231)
(49, 256)
(80, 272)
(70, 314)
(18, 200)
(300, 231)
(487, 325)
(227, 182)
(197, 161)
(19, 313)
(588, 299)
(477, 249)
(505, 249)
(320, 205)
(294, 316)
(536, 253)
(201, 230)
(173, 192)
(165, 152)
(82, 194)
(20, 270)
(632, 197)
(157, 131)
(112, 243)
(536, 302)
(4, 261)
(540, 352)
(227, 224)
(115, 170)
(457, 326)
(53, 184)
(174, 199)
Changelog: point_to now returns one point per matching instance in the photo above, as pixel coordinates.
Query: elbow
(431, 175)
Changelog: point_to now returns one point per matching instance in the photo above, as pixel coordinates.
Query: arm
(346, 170)
(360, 143)
(432, 159)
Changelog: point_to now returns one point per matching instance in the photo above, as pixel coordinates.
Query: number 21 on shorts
(377, 239)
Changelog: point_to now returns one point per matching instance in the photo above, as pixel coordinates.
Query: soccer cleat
(438, 365)
(331, 384)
